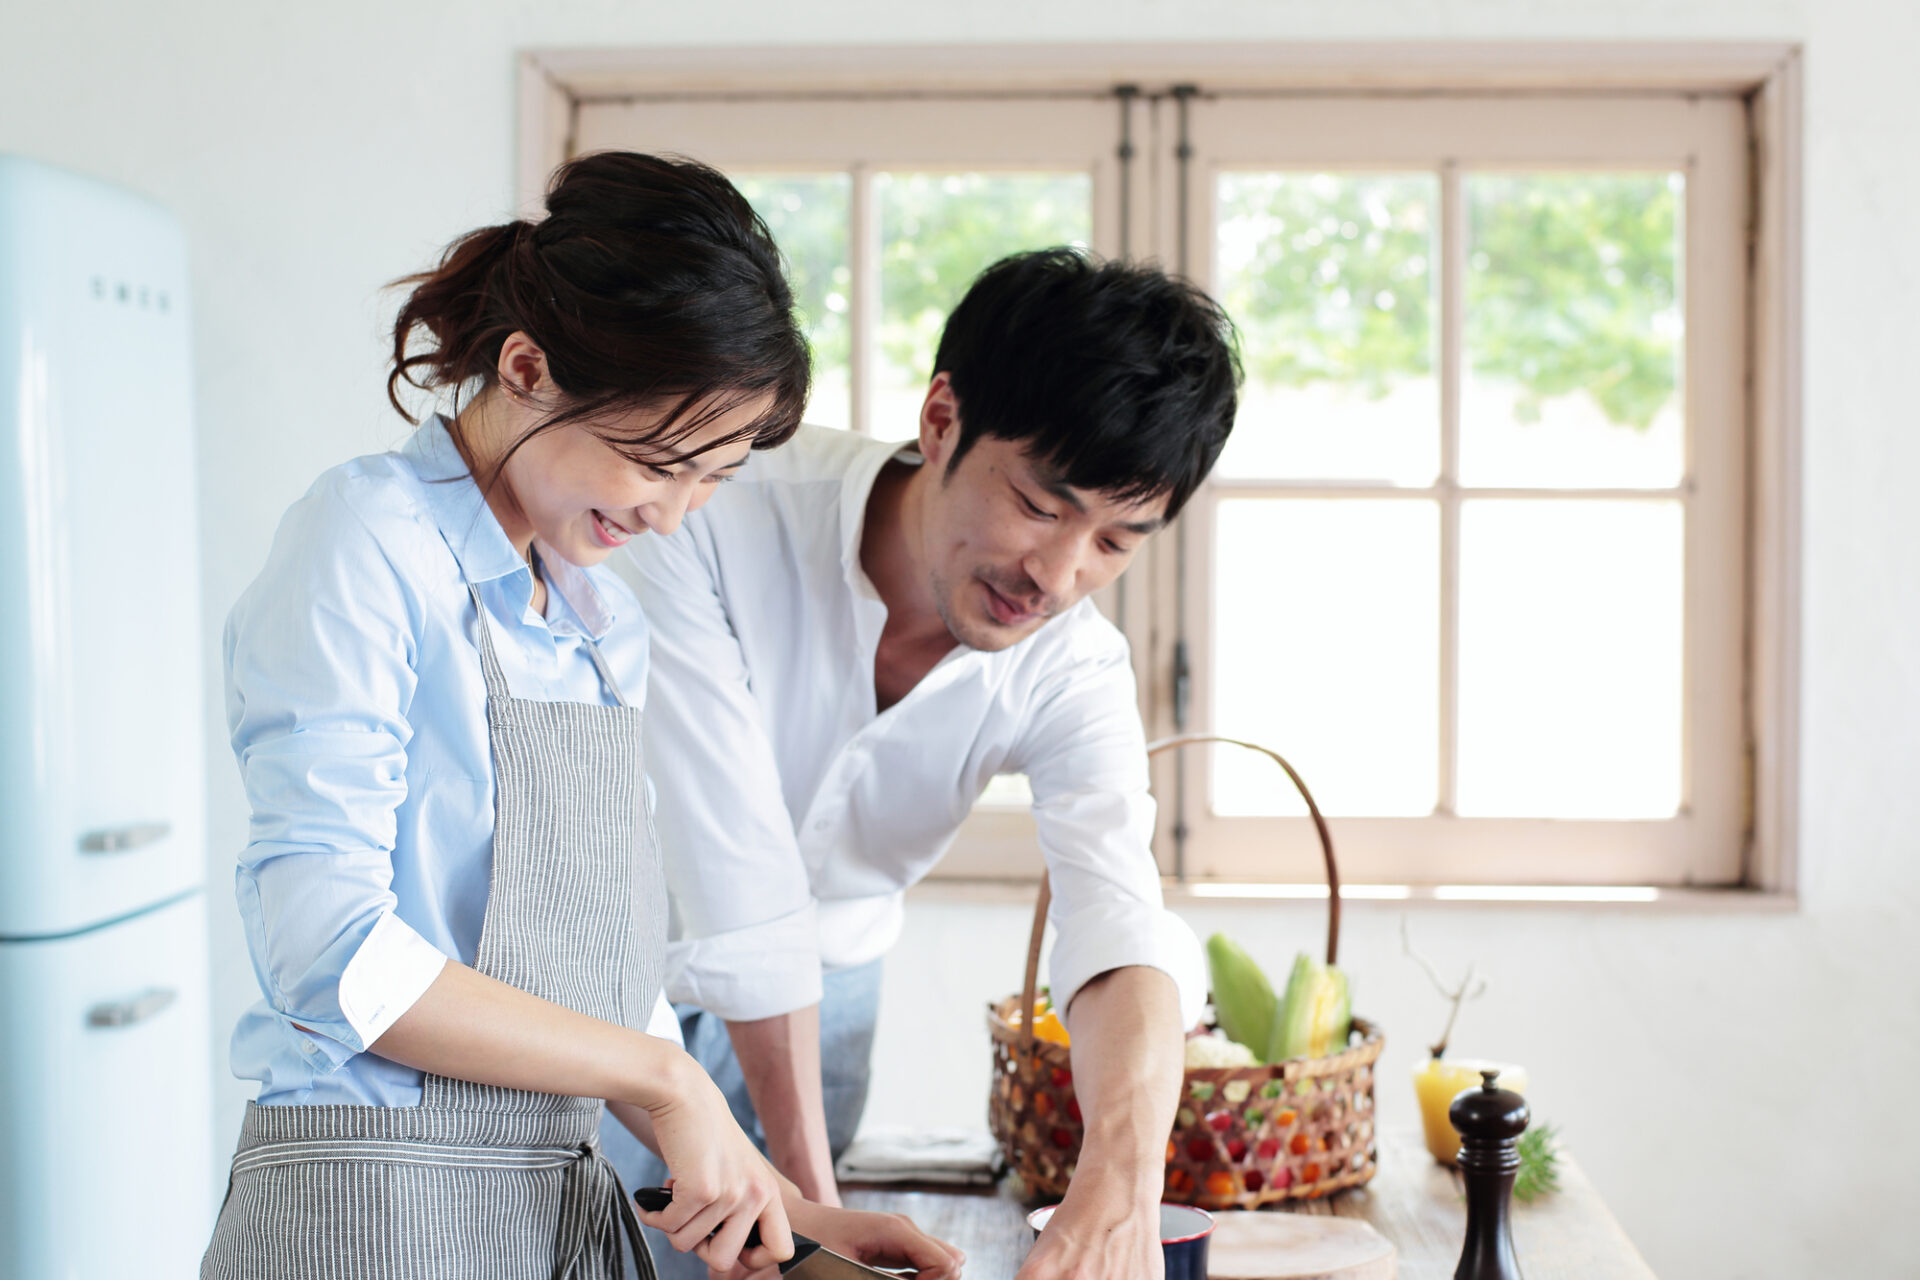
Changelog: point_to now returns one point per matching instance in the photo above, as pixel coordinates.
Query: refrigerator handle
(135, 835)
(134, 1009)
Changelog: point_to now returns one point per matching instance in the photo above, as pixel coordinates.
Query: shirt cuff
(759, 971)
(392, 969)
(1115, 935)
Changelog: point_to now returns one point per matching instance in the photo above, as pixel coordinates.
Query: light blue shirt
(358, 715)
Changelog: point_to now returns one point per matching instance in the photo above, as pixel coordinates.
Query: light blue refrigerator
(105, 1062)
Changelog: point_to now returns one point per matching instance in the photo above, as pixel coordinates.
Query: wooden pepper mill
(1490, 1121)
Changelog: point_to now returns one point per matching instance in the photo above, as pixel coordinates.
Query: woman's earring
(514, 393)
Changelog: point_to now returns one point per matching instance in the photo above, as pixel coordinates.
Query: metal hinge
(1182, 686)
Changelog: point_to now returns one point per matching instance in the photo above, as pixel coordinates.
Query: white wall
(1741, 1088)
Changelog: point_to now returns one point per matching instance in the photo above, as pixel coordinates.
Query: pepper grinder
(1490, 1120)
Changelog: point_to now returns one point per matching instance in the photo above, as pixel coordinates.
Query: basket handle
(1029, 988)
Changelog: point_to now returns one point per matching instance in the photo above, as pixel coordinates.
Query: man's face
(1008, 545)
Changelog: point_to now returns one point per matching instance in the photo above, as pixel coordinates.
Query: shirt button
(308, 1046)
(821, 825)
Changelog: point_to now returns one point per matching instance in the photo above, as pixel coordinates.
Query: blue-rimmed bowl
(1184, 1232)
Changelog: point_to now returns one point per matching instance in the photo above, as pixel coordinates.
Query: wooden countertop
(1414, 1202)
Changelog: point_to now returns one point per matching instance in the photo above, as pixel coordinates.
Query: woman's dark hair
(1121, 377)
(651, 281)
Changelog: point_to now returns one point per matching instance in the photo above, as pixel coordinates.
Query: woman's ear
(939, 421)
(522, 368)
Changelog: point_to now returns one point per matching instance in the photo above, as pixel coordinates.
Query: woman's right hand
(722, 1185)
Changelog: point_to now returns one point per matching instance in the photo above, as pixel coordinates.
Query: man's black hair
(1121, 377)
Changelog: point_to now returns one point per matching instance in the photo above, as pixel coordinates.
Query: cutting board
(1296, 1246)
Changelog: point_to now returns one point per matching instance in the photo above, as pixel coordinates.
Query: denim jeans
(849, 1008)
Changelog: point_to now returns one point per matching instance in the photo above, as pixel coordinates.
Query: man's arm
(746, 945)
(1129, 973)
(1128, 1054)
(780, 1060)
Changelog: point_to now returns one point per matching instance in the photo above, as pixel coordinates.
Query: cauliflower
(1215, 1050)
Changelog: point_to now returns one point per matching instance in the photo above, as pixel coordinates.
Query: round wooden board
(1251, 1245)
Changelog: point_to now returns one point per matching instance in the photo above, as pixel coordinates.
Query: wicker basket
(1243, 1136)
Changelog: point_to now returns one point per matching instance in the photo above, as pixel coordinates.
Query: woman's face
(584, 499)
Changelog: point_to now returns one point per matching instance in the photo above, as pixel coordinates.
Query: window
(1474, 559)
(1498, 553)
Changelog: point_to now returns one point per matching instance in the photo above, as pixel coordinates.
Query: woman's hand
(887, 1240)
(721, 1184)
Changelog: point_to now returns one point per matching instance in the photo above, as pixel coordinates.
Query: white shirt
(358, 715)
(793, 816)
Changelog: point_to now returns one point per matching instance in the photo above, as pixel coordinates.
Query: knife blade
(811, 1260)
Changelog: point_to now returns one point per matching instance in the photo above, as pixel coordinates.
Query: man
(854, 637)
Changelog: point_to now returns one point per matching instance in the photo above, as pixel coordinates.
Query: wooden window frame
(555, 84)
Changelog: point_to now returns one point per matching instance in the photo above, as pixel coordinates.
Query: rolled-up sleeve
(746, 940)
(1084, 753)
(320, 658)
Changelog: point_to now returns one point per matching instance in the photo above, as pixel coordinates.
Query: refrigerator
(105, 1059)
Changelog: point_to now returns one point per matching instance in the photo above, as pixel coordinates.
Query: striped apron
(481, 1181)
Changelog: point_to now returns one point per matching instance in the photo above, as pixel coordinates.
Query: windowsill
(1685, 901)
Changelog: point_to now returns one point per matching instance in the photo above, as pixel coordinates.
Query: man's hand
(1101, 1235)
(1128, 1054)
(887, 1240)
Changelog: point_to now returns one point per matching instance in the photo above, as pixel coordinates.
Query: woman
(452, 894)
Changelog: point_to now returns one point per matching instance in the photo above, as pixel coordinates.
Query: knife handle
(654, 1199)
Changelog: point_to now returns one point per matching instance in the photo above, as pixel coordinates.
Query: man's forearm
(1128, 1055)
(780, 1059)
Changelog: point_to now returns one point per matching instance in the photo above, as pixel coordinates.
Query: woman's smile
(609, 531)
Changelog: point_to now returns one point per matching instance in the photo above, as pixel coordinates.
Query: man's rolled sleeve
(1114, 934)
(758, 971)
(1085, 754)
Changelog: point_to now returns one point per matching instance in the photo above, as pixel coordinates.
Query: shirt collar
(480, 546)
(575, 585)
(855, 491)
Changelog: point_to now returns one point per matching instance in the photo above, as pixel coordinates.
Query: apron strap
(606, 672)
(489, 661)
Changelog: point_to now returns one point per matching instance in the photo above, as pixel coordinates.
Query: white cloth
(960, 1157)
(793, 817)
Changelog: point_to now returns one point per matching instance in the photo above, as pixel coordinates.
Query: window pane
(808, 215)
(1574, 331)
(937, 232)
(1326, 633)
(1570, 659)
(1329, 277)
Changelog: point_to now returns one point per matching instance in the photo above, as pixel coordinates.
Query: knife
(811, 1260)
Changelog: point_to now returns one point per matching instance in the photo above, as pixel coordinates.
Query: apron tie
(595, 1243)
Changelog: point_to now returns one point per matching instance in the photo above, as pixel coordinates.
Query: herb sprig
(1539, 1164)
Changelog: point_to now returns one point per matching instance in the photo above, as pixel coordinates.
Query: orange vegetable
(1047, 1026)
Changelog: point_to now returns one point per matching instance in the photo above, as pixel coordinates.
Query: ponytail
(651, 281)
